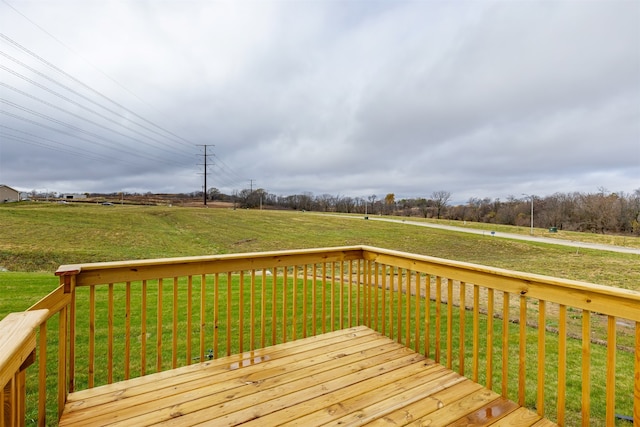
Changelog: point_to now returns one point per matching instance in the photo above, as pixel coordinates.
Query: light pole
(531, 197)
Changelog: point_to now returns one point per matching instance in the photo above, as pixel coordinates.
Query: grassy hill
(38, 237)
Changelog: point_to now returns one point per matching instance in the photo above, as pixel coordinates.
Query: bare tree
(441, 201)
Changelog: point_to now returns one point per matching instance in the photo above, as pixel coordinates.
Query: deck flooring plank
(488, 414)
(321, 409)
(416, 410)
(450, 413)
(367, 406)
(266, 401)
(240, 392)
(354, 376)
(519, 417)
(281, 350)
(544, 423)
(222, 374)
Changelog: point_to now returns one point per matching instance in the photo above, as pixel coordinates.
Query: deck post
(17, 353)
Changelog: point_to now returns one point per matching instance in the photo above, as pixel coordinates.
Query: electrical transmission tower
(205, 171)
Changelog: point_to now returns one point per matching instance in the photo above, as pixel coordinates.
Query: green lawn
(38, 237)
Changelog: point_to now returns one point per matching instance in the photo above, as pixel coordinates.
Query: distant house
(8, 194)
(73, 196)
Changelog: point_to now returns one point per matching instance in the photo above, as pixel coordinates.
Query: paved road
(552, 241)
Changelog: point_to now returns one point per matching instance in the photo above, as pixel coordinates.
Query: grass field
(36, 238)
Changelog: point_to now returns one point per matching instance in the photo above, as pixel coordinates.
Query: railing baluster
(42, 375)
(450, 323)
(174, 329)
(294, 307)
(252, 316)
(394, 320)
(562, 362)
(461, 333)
(274, 300)
(383, 273)
(305, 299)
(438, 316)
(228, 319)
(368, 282)
(611, 371)
(159, 327)
(417, 296)
(72, 335)
(324, 297)
(314, 298)
(376, 296)
(127, 331)
(341, 301)
(407, 315)
(476, 334)
(110, 337)
(505, 344)
(263, 309)
(240, 312)
(203, 314)
(427, 316)
(490, 313)
(542, 308)
(92, 336)
(285, 284)
(143, 329)
(365, 293)
(333, 296)
(399, 309)
(586, 367)
(3, 402)
(522, 356)
(216, 314)
(189, 319)
(358, 294)
(62, 359)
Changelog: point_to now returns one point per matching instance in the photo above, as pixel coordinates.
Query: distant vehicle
(107, 204)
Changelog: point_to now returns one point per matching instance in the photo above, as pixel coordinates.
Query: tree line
(600, 212)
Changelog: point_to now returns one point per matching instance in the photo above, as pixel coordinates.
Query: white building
(8, 194)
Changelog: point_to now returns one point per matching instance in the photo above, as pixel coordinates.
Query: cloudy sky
(351, 98)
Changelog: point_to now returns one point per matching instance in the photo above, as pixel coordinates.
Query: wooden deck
(349, 377)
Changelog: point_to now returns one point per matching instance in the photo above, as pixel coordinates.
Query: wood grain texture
(353, 376)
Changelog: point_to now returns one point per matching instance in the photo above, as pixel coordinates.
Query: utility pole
(531, 196)
(251, 185)
(205, 172)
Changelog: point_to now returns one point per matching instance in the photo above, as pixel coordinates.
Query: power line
(84, 85)
(88, 62)
(76, 129)
(80, 95)
(109, 129)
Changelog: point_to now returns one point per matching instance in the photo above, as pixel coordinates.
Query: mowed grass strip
(38, 237)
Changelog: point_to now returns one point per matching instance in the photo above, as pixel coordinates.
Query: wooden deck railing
(567, 349)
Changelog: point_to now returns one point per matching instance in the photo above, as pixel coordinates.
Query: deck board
(349, 377)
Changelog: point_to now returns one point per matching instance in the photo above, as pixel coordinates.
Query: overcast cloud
(481, 99)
